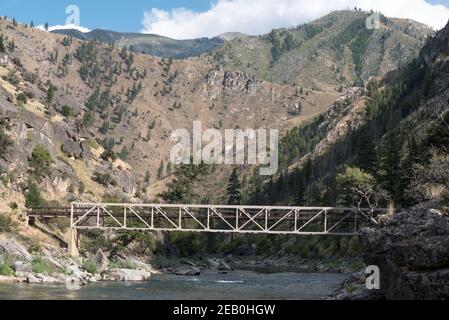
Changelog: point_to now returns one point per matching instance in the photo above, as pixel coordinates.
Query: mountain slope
(148, 43)
(390, 129)
(106, 114)
(336, 50)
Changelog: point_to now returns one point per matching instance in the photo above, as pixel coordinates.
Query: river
(238, 285)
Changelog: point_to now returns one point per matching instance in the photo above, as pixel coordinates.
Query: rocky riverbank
(53, 266)
(411, 250)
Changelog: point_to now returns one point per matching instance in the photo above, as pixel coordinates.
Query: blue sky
(183, 19)
(107, 14)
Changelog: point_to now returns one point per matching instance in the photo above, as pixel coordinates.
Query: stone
(129, 275)
(98, 277)
(22, 267)
(188, 271)
(49, 280)
(71, 148)
(225, 267)
(213, 263)
(33, 279)
(13, 248)
(72, 269)
(411, 250)
(101, 260)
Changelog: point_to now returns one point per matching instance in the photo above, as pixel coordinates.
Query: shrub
(33, 198)
(6, 224)
(188, 244)
(5, 269)
(14, 205)
(34, 248)
(21, 98)
(93, 240)
(67, 111)
(121, 264)
(90, 267)
(40, 265)
(40, 160)
(82, 188)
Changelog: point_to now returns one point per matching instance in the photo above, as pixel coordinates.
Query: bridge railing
(216, 219)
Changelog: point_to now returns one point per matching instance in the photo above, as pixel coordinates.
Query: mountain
(336, 50)
(106, 113)
(395, 129)
(150, 44)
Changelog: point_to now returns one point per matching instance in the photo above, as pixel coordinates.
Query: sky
(184, 19)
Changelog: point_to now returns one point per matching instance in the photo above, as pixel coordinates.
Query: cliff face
(412, 253)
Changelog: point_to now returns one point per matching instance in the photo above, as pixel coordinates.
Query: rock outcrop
(412, 252)
(15, 249)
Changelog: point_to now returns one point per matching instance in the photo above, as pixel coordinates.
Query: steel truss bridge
(210, 219)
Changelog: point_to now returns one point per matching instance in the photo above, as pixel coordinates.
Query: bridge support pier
(73, 243)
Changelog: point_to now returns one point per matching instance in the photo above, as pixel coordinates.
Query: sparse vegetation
(40, 161)
(6, 223)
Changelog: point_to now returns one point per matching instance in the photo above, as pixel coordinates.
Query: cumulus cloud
(65, 27)
(260, 16)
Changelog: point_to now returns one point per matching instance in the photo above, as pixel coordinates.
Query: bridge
(210, 219)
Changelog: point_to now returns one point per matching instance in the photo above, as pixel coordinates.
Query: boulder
(412, 252)
(129, 275)
(15, 249)
(50, 280)
(32, 279)
(213, 263)
(22, 267)
(223, 266)
(72, 269)
(188, 271)
(93, 280)
(71, 148)
(101, 260)
(98, 277)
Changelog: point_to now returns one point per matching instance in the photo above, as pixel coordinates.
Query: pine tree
(160, 171)
(50, 94)
(147, 178)
(389, 174)
(2, 45)
(234, 186)
(33, 198)
(366, 151)
(169, 168)
(298, 197)
(412, 157)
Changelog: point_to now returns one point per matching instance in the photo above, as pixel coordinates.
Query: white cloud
(65, 27)
(260, 16)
